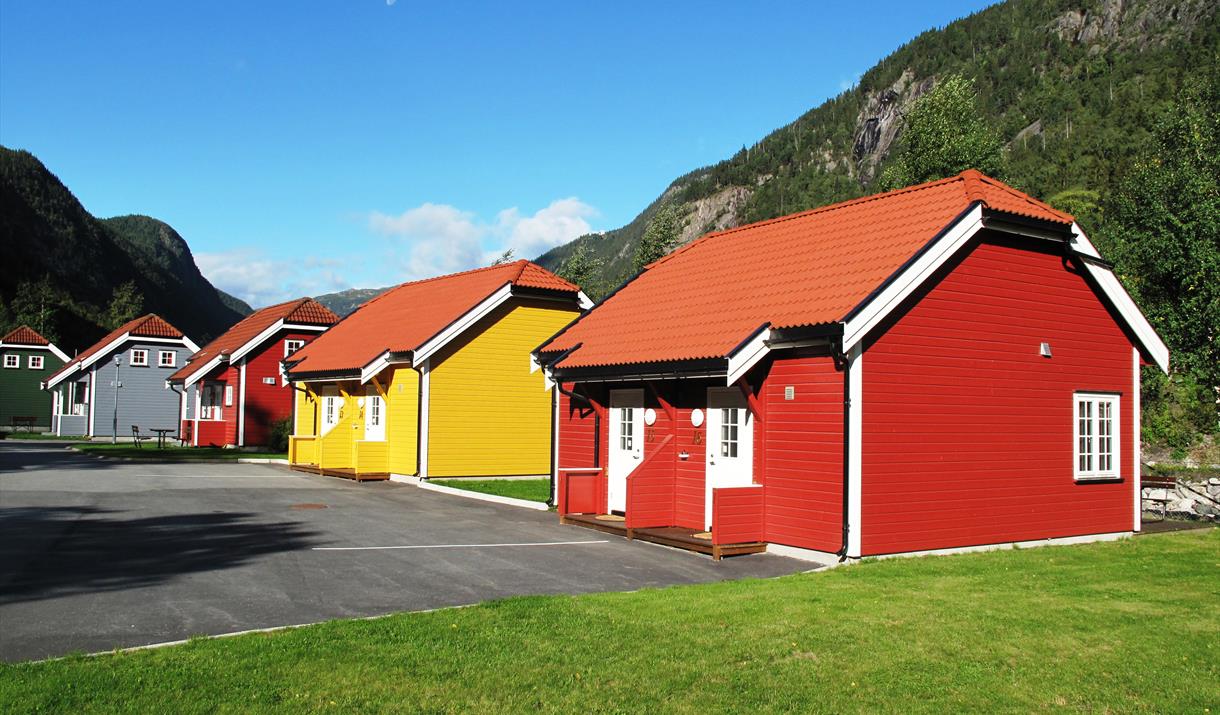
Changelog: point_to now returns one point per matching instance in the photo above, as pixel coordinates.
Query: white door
(626, 443)
(730, 443)
(374, 417)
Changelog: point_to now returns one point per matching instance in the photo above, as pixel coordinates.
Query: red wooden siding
(577, 425)
(265, 404)
(804, 453)
(211, 433)
(737, 515)
(967, 431)
(579, 490)
(650, 487)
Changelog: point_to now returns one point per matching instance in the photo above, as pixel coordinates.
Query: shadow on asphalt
(51, 552)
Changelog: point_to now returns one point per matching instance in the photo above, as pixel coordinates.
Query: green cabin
(26, 360)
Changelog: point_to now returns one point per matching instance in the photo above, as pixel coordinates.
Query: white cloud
(434, 239)
(555, 225)
(260, 280)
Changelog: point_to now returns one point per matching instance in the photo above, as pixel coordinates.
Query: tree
(126, 303)
(506, 257)
(1165, 229)
(659, 237)
(581, 267)
(37, 304)
(944, 134)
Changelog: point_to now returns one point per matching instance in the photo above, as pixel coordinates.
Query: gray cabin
(120, 381)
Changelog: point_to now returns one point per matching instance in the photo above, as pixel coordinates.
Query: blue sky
(311, 146)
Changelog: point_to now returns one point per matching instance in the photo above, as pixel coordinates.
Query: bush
(280, 431)
(1177, 411)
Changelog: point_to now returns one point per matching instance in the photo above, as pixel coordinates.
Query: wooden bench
(23, 424)
(1159, 481)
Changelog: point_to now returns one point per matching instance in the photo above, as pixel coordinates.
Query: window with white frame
(228, 395)
(291, 346)
(34, 362)
(167, 358)
(11, 361)
(330, 412)
(209, 402)
(729, 424)
(626, 436)
(1095, 433)
(139, 358)
(74, 399)
(374, 417)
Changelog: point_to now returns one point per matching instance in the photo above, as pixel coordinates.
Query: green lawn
(530, 489)
(1117, 627)
(149, 451)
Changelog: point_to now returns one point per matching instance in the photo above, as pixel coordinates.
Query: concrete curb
(189, 460)
(510, 501)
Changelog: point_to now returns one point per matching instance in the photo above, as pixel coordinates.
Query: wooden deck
(676, 536)
(342, 473)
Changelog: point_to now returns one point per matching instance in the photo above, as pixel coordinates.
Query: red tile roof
(302, 311)
(147, 326)
(24, 335)
(810, 268)
(407, 316)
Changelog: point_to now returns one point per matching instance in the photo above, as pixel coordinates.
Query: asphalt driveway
(99, 554)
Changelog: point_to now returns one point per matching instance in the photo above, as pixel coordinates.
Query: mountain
(49, 238)
(345, 301)
(1073, 86)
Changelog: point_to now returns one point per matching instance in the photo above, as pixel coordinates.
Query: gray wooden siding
(143, 399)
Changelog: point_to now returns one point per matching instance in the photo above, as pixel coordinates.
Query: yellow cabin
(434, 379)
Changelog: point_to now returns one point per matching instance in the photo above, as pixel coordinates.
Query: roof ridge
(19, 328)
(808, 212)
(1017, 193)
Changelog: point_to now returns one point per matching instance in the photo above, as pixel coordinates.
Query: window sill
(1100, 478)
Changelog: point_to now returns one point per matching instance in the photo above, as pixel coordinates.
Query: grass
(529, 489)
(1116, 627)
(149, 451)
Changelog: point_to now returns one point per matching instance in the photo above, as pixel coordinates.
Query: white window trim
(288, 350)
(1094, 475)
(12, 361)
(32, 359)
(131, 357)
(173, 358)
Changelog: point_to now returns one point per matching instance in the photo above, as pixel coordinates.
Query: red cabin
(945, 366)
(233, 390)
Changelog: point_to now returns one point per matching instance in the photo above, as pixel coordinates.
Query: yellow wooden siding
(302, 449)
(402, 418)
(488, 414)
(306, 412)
(370, 457)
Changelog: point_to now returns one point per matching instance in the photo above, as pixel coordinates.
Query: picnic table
(161, 433)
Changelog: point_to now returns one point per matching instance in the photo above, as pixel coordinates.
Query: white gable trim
(911, 278)
(583, 300)
(114, 345)
(268, 333)
(944, 248)
(199, 374)
(459, 326)
(374, 368)
(748, 355)
(50, 346)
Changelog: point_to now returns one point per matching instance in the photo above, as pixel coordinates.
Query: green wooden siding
(20, 394)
